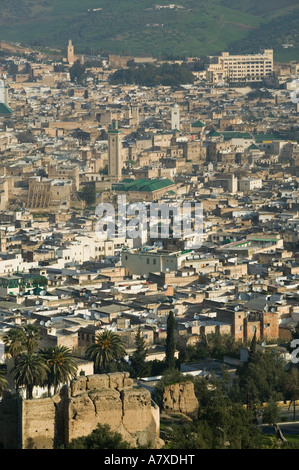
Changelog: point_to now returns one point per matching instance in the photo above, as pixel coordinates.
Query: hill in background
(153, 28)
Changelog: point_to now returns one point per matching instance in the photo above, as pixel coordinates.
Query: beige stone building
(250, 67)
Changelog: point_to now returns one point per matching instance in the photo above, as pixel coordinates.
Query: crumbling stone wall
(76, 411)
(110, 399)
(180, 397)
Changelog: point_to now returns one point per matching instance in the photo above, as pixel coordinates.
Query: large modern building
(235, 68)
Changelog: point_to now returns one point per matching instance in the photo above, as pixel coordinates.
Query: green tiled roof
(253, 147)
(5, 109)
(214, 133)
(142, 185)
(259, 138)
(198, 124)
(236, 135)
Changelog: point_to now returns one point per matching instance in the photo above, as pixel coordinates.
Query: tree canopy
(100, 438)
(151, 75)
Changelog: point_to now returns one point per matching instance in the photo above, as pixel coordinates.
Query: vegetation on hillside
(229, 411)
(137, 27)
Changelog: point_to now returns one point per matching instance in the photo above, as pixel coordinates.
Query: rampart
(106, 399)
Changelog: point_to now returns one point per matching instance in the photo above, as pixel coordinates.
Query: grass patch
(136, 27)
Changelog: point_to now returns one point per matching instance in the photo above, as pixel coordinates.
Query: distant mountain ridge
(153, 28)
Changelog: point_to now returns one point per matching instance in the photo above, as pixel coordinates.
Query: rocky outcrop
(180, 397)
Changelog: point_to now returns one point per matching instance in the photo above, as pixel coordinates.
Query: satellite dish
(237, 308)
(93, 305)
(42, 323)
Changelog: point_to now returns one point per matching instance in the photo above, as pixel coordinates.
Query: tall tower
(114, 151)
(70, 53)
(135, 114)
(233, 184)
(3, 93)
(175, 117)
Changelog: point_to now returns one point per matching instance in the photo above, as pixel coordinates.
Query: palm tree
(32, 336)
(14, 341)
(108, 347)
(30, 370)
(3, 382)
(62, 366)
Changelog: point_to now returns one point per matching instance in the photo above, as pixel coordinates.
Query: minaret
(3, 93)
(135, 115)
(233, 184)
(70, 53)
(3, 244)
(114, 152)
(175, 117)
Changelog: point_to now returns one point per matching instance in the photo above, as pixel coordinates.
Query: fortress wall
(76, 411)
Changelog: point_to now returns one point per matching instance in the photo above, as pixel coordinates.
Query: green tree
(14, 342)
(88, 194)
(262, 377)
(108, 348)
(3, 382)
(100, 438)
(291, 386)
(62, 366)
(32, 336)
(30, 370)
(170, 342)
(221, 423)
(77, 72)
(252, 350)
(18, 340)
(26, 137)
(138, 362)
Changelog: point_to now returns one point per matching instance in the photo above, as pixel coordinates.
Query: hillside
(146, 27)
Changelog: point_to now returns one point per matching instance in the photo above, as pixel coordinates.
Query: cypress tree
(170, 342)
(138, 357)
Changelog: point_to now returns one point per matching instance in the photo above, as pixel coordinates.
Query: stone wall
(8, 422)
(110, 399)
(180, 397)
(76, 411)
